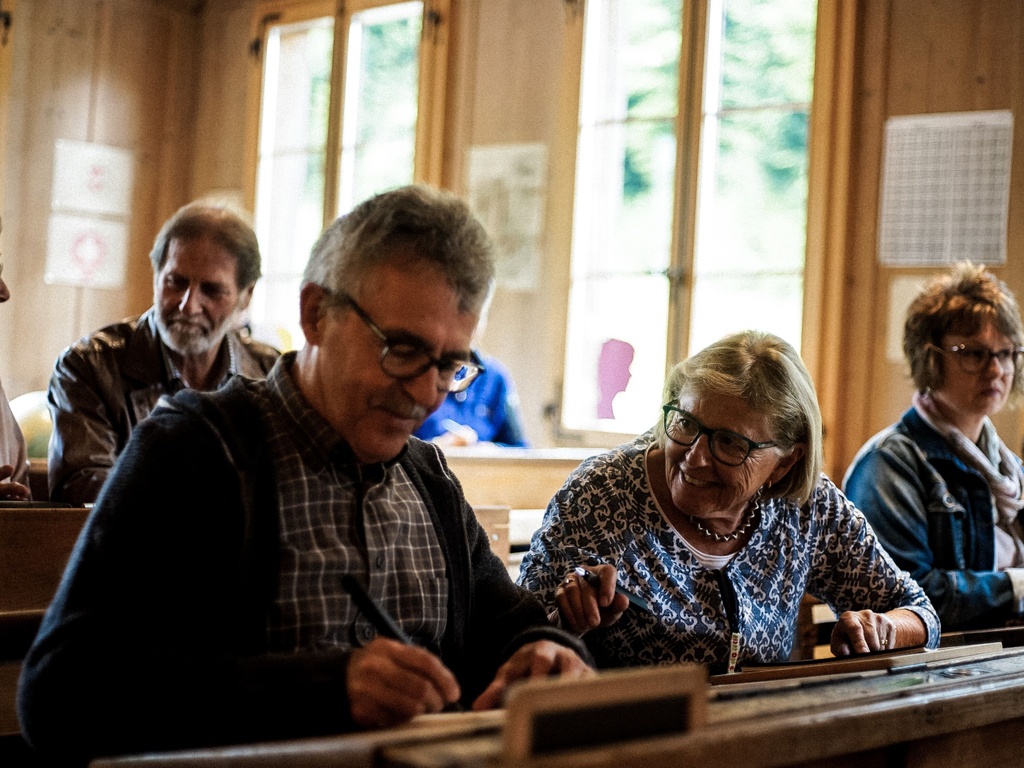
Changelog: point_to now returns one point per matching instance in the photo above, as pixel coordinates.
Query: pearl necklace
(720, 537)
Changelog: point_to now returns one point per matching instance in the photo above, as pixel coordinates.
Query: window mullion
(689, 121)
(332, 164)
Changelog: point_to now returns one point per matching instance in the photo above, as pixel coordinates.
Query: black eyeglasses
(730, 448)
(404, 360)
(977, 359)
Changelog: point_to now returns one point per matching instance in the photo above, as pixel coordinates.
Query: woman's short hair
(414, 222)
(769, 376)
(224, 224)
(960, 302)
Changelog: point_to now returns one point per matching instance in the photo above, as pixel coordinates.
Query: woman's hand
(10, 490)
(866, 631)
(582, 607)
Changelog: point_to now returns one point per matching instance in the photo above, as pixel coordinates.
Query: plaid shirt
(338, 517)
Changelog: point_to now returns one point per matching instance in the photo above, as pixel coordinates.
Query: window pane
(615, 365)
(767, 52)
(755, 219)
(729, 303)
(624, 210)
(749, 258)
(618, 311)
(290, 177)
(379, 126)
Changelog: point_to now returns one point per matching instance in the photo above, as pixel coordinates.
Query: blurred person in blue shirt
(487, 412)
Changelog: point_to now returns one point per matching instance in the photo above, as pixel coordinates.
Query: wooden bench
(35, 544)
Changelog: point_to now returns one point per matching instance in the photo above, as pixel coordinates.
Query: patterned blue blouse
(606, 513)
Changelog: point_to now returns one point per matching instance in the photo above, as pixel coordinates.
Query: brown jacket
(105, 384)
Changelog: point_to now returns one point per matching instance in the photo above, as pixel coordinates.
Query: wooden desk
(954, 712)
(1010, 637)
(520, 478)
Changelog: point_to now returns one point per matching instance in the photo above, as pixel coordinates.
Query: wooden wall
(509, 65)
(911, 57)
(168, 80)
(115, 72)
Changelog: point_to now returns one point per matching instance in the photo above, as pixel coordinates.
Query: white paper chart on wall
(945, 189)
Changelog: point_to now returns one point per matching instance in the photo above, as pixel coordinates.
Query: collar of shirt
(176, 383)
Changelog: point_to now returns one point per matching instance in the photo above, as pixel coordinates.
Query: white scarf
(1005, 481)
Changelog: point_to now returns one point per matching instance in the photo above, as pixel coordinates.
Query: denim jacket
(933, 514)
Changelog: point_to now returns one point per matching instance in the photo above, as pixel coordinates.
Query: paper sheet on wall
(90, 205)
(85, 251)
(945, 189)
(506, 185)
(91, 178)
(902, 291)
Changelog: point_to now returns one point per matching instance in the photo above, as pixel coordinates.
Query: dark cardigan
(156, 638)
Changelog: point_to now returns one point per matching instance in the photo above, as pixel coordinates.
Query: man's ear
(311, 311)
(244, 298)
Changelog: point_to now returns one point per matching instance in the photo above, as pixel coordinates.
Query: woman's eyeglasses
(730, 448)
(975, 359)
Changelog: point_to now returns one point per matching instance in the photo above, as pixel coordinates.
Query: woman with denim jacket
(940, 488)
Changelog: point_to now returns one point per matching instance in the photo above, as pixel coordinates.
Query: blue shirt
(489, 405)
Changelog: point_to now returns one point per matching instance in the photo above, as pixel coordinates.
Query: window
(683, 229)
(339, 120)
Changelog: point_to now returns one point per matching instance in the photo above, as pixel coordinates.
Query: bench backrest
(35, 544)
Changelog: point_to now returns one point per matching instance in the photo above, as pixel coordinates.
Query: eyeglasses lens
(725, 447)
(977, 359)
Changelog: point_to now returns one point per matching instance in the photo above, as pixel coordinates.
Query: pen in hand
(382, 621)
(594, 580)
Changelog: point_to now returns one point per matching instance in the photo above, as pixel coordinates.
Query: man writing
(206, 603)
(205, 263)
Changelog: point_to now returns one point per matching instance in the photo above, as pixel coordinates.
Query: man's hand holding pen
(390, 682)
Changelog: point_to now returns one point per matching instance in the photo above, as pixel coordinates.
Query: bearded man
(206, 261)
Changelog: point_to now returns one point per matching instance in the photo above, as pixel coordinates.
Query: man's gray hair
(224, 224)
(766, 373)
(414, 222)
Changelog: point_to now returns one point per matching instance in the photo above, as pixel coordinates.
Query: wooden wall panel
(917, 57)
(115, 72)
(513, 50)
(50, 98)
(219, 154)
(6, 47)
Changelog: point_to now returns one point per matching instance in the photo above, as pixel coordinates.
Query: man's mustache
(179, 322)
(399, 405)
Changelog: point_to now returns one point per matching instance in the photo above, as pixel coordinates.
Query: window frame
(689, 123)
(428, 155)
